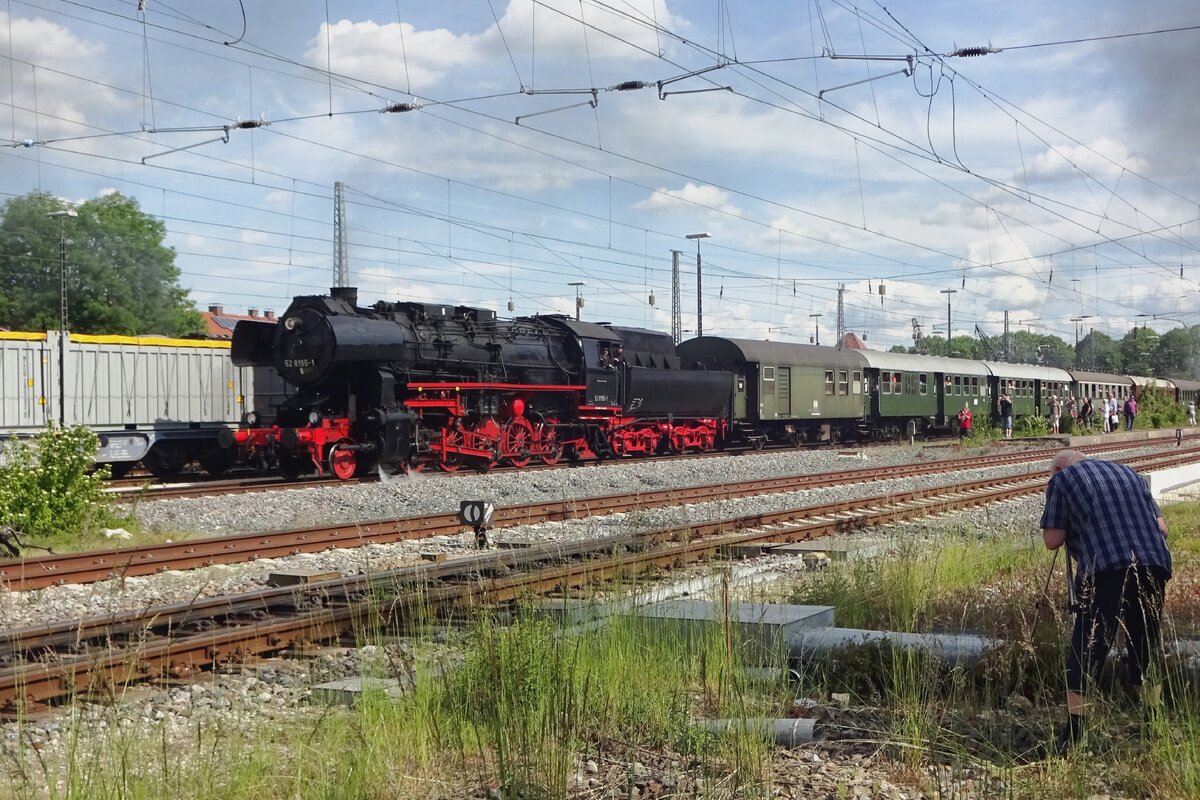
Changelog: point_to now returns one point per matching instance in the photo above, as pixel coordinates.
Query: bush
(1158, 409)
(47, 488)
(1032, 426)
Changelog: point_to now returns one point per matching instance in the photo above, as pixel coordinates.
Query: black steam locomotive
(404, 386)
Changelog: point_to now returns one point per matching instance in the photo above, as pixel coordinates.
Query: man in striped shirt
(1104, 513)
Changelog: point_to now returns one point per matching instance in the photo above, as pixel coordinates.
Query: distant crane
(986, 344)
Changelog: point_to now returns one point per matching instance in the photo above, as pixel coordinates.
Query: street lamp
(62, 309)
(699, 292)
(578, 299)
(816, 318)
(948, 292)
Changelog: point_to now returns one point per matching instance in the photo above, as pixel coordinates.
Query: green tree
(965, 347)
(1136, 348)
(1175, 354)
(120, 276)
(1098, 352)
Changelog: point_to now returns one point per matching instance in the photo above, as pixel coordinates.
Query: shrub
(1032, 426)
(47, 488)
(1158, 409)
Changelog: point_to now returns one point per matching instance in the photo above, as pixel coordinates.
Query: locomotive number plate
(298, 363)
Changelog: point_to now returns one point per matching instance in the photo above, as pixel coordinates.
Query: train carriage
(918, 394)
(157, 400)
(1100, 386)
(1029, 386)
(1186, 391)
(786, 393)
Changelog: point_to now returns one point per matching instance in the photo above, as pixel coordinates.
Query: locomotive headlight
(251, 418)
(290, 323)
(314, 417)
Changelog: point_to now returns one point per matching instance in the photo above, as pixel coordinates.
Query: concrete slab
(836, 548)
(747, 549)
(346, 692)
(761, 631)
(299, 577)
(1162, 481)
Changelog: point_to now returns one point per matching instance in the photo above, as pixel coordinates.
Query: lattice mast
(341, 259)
(676, 314)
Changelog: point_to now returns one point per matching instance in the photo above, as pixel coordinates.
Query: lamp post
(578, 299)
(62, 310)
(948, 292)
(816, 318)
(699, 291)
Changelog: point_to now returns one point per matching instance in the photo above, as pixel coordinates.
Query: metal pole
(699, 288)
(948, 292)
(62, 324)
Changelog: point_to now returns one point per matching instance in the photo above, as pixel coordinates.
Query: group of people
(1111, 411)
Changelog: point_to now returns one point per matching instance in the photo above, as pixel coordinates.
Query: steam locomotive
(403, 386)
(406, 385)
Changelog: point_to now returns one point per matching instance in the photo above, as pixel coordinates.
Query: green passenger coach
(787, 393)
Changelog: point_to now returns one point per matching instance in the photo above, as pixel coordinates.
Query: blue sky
(1047, 180)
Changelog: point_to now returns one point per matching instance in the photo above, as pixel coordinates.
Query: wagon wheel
(451, 462)
(552, 449)
(516, 440)
(342, 461)
(292, 466)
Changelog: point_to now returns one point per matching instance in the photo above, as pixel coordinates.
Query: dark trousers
(1131, 598)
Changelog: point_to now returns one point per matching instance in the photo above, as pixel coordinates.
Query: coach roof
(1029, 372)
(907, 362)
(717, 351)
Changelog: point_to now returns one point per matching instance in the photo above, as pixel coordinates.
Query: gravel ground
(279, 691)
(407, 497)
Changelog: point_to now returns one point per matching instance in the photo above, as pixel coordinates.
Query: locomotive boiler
(407, 385)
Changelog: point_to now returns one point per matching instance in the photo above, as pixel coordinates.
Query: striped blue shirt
(1109, 516)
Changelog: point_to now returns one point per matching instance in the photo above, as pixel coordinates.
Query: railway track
(87, 567)
(148, 488)
(48, 663)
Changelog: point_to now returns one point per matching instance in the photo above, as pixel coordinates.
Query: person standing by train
(1006, 415)
(1085, 412)
(1192, 413)
(1104, 513)
(1112, 411)
(1130, 412)
(964, 421)
(1055, 413)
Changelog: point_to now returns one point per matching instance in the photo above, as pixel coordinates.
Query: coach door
(942, 382)
(783, 392)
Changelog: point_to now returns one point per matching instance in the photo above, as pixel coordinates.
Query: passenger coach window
(768, 373)
(975, 386)
(829, 382)
(856, 379)
(885, 384)
(897, 386)
(843, 382)
(957, 385)
(923, 383)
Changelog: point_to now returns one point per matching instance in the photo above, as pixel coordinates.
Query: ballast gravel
(423, 495)
(280, 692)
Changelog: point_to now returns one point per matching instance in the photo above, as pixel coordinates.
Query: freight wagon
(150, 399)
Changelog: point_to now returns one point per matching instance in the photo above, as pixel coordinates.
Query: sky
(494, 152)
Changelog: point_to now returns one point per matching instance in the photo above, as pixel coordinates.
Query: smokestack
(347, 293)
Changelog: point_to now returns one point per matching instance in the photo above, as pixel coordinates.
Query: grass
(516, 710)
